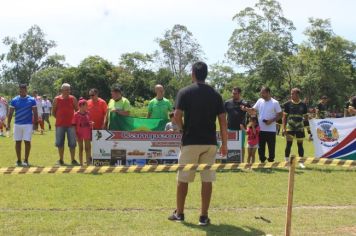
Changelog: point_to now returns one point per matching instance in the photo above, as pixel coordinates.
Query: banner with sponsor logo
(334, 137)
(140, 148)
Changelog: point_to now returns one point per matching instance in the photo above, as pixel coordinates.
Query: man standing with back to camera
(201, 105)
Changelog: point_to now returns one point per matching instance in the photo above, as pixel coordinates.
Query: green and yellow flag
(129, 123)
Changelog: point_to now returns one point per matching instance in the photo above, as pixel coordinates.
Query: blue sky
(109, 28)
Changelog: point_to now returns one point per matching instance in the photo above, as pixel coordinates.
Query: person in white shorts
(24, 107)
(39, 122)
(3, 114)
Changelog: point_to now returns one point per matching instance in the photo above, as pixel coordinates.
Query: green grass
(132, 204)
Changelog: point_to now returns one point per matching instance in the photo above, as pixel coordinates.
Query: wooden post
(290, 195)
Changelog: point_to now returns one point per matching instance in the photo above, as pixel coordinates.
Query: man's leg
(182, 190)
(289, 143)
(18, 150)
(206, 191)
(300, 148)
(27, 150)
(207, 177)
(60, 137)
(72, 142)
(271, 142)
(262, 146)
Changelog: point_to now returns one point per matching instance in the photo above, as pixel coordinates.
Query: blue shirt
(23, 109)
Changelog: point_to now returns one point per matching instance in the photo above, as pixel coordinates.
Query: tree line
(261, 51)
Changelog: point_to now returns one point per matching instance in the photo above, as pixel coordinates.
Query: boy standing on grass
(200, 105)
(24, 107)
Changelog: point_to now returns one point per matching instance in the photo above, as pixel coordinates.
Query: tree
(220, 75)
(46, 80)
(326, 63)
(94, 72)
(28, 55)
(136, 76)
(179, 49)
(262, 41)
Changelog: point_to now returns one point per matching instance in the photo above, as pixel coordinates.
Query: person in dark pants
(269, 111)
(236, 115)
(200, 105)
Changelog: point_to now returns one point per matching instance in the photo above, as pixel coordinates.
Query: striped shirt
(23, 109)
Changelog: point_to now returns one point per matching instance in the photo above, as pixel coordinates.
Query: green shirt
(159, 108)
(123, 104)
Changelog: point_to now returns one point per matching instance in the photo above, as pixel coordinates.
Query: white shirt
(39, 106)
(3, 108)
(267, 110)
(46, 104)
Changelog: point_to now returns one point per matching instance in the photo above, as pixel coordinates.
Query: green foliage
(179, 49)
(28, 55)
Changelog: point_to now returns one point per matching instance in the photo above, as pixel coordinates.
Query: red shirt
(65, 111)
(253, 138)
(82, 125)
(97, 111)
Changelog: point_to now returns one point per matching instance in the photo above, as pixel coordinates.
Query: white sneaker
(301, 165)
(25, 164)
(1, 134)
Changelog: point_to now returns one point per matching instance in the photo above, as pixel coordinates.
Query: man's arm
(223, 133)
(75, 104)
(178, 117)
(35, 114)
(106, 120)
(284, 122)
(54, 107)
(278, 116)
(9, 117)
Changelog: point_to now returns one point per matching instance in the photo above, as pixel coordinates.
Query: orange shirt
(97, 112)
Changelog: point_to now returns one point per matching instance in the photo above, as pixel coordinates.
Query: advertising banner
(140, 148)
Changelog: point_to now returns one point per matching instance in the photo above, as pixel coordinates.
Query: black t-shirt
(323, 108)
(295, 115)
(201, 105)
(235, 116)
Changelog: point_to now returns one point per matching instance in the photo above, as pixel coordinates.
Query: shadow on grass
(224, 229)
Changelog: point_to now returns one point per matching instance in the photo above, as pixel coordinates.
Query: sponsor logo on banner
(327, 133)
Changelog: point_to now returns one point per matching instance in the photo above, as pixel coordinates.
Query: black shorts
(296, 134)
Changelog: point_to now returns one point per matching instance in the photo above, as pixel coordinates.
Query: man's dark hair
(266, 89)
(22, 85)
(116, 88)
(324, 97)
(94, 90)
(238, 89)
(200, 70)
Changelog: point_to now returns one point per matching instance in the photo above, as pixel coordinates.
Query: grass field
(244, 202)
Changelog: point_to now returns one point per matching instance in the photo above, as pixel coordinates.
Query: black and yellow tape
(167, 168)
(137, 169)
(327, 162)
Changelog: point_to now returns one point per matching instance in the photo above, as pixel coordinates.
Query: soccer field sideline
(137, 203)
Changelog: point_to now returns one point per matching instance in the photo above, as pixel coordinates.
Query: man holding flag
(117, 106)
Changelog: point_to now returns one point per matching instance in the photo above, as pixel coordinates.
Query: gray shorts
(60, 136)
